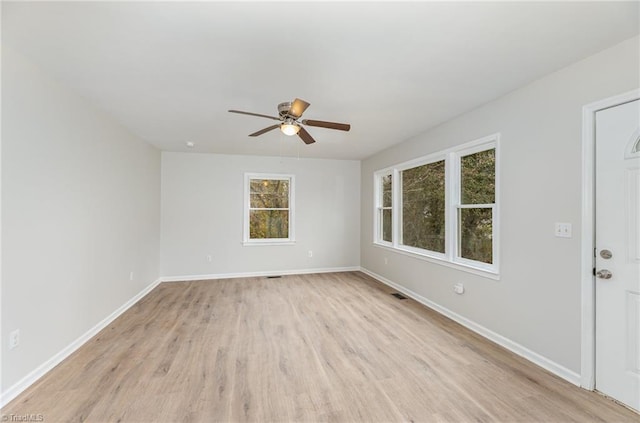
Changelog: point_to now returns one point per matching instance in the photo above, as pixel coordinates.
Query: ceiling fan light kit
(289, 115)
(290, 128)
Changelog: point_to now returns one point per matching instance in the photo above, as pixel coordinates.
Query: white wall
(82, 199)
(202, 214)
(80, 210)
(536, 303)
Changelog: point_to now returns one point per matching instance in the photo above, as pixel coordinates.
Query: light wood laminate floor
(331, 347)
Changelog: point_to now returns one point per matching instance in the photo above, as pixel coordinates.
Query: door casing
(588, 297)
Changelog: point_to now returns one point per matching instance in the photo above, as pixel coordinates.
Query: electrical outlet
(14, 339)
(386, 260)
(310, 253)
(209, 258)
(130, 276)
(458, 288)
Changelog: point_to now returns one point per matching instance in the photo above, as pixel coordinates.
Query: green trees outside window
(268, 208)
(477, 201)
(386, 209)
(443, 206)
(423, 207)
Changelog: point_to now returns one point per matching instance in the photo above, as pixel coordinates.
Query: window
(268, 209)
(445, 207)
(476, 206)
(634, 147)
(423, 207)
(384, 196)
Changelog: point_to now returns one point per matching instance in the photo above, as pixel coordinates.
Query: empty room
(320, 211)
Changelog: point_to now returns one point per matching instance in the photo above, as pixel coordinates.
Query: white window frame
(456, 205)
(432, 158)
(377, 228)
(451, 257)
(246, 240)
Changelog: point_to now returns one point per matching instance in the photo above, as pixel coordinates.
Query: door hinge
(594, 271)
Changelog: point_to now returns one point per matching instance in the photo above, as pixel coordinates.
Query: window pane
(386, 191)
(386, 225)
(423, 207)
(269, 193)
(476, 228)
(478, 174)
(268, 224)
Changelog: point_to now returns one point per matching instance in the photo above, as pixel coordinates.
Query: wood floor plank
(305, 348)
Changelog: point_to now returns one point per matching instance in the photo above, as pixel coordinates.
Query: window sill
(256, 243)
(442, 261)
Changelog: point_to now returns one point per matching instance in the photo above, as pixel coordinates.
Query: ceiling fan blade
(330, 125)
(305, 136)
(262, 131)
(298, 107)
(254, 114)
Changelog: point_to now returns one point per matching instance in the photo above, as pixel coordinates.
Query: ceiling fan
(290, 122)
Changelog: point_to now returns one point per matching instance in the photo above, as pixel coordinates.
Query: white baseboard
(258, 274)
(41, 370)
(545, 363)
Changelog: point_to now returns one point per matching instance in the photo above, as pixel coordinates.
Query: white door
(617, 239)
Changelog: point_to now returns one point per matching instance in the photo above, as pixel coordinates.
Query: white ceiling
(169, 71)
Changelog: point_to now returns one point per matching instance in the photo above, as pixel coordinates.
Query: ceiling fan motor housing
(283, 109)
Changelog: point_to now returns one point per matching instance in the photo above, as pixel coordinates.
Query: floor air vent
(399, 296)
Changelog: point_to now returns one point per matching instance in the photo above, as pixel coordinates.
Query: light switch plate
(563, 230)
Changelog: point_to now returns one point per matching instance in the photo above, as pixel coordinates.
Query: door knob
(604, 274)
